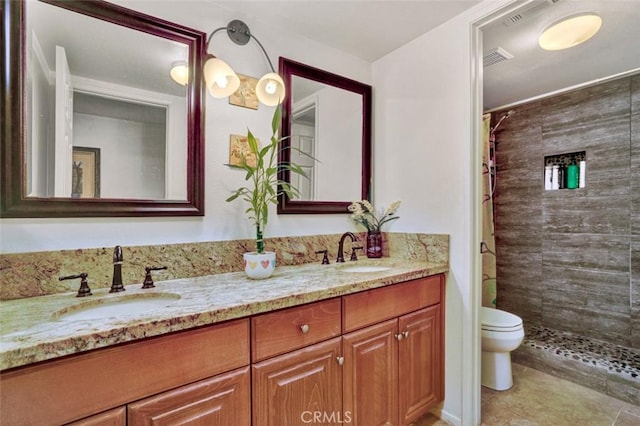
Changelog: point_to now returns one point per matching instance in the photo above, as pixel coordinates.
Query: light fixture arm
(240, 34)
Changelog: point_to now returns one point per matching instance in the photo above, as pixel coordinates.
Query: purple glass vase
(374, 244)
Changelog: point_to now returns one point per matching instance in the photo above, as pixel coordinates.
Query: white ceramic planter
(259, 266)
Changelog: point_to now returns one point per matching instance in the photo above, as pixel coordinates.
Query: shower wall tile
(518, 214)
(578, 212)
(586, 284)
(606, 253)
(635, 211)
(635, 291)
(565, 258)
(635, 155)
(582, 108)
(519, 266)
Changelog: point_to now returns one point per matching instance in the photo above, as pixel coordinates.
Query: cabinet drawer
(278, 332)
(372, 306)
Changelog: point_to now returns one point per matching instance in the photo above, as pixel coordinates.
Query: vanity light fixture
(180, 72)
(570, 31)
(222, 81)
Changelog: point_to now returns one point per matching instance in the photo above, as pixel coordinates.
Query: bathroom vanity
(313, 342)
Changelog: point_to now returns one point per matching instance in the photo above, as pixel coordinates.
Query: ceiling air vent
(495, 56)
(528, 10)
(513, 19)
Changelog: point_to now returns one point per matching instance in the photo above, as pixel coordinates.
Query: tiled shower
(568, 260)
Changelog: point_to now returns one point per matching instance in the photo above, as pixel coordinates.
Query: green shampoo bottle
(572, 175)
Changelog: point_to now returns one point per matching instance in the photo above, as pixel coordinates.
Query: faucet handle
(117, 254)
(84, 289)
(353, 252)
(148, 281)
(325, 258)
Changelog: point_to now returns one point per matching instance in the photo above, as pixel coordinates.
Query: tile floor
(539, 399)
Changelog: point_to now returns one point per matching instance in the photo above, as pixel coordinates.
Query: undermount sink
(116, 306)
(364, 268)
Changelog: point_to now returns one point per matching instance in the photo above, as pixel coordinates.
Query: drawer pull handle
(405, 334)
(399, 336)
(340, 360)
(304, 328)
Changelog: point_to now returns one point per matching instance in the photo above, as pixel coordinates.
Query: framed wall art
(245, 96)
(239, 149)
(85, 182)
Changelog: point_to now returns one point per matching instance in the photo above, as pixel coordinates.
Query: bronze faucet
(340, 258)
(116, 282)
(84, 289)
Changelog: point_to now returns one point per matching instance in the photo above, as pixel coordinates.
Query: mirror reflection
(104, 119)
(326, 123)
(328, 117)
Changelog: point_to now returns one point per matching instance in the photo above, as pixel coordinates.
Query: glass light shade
(180, 73)
(570, 32)
(220, 79)
(270, 89)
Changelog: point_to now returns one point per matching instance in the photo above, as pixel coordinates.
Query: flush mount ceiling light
(222, 81)
(180, 72)
(570, 31)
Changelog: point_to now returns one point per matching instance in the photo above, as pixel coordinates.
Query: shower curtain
(488, 244)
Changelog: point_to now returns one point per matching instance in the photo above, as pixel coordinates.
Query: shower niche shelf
(565, 171)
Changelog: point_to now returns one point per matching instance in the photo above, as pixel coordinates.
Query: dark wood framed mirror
(327, 116)
(170, 171)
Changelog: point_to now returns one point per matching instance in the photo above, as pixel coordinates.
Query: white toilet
(502, 332)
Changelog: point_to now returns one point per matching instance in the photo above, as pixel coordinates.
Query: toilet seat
(499, 321)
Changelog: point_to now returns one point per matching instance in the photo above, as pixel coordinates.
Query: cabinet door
(420, 360)
(115, 417)
(371, 374)
(298, 387)
(221, 400)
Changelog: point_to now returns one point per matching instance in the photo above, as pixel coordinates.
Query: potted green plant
(263, 188)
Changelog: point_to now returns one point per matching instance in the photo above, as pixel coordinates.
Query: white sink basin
(364, 268)
(116, 306)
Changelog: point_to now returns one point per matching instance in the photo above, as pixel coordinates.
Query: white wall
(223, 221)
(423, 156)
(132, 154)
(339, 130)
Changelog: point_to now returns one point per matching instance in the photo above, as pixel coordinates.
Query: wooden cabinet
(371, 375)
(394, 370)
(420, 363)
(291, 389)
(76, 387)
(368, 358)
(115, 417)
(221, 400)
(389, 361)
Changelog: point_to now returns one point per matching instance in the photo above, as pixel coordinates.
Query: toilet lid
(497, 319)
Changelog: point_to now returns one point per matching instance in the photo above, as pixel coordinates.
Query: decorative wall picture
(245, 96)
(239, 150)
(85, 182)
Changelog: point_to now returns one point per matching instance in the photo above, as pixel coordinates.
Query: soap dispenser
(572, 175)
(562, 176)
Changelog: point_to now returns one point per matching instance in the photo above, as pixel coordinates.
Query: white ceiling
(533, 72)
(370, 29)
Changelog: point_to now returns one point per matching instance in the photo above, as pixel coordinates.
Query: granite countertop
(33, 329)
